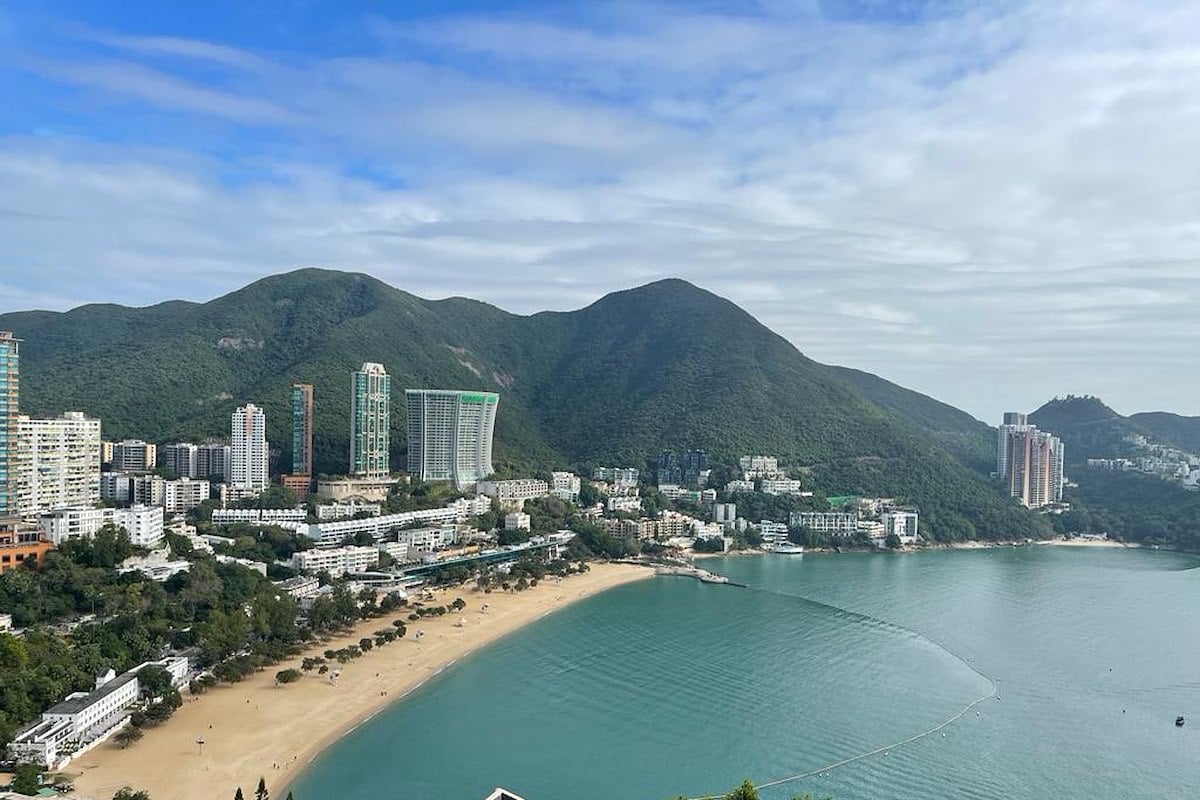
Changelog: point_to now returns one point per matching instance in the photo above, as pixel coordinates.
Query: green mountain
(1087, 427)
(666, 365)
(966, 438)
(1173, 429)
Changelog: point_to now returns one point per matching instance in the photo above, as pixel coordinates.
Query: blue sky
(991, 203)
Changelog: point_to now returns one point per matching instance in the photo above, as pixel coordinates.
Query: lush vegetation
(1133, 507)
(616, 382)
(235, 617)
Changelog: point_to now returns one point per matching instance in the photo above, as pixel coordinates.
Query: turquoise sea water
(671, 687)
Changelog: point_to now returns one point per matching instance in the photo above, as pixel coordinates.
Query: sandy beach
(256, 729)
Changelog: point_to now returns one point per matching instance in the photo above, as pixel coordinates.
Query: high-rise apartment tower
(249, 453)
(9, 394)
(370, 418)
(302, 429)
(450, 434)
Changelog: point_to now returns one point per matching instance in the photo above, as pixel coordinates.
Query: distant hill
(1087, 427)
(1182, 432)
(1090, 429)
(667, 365)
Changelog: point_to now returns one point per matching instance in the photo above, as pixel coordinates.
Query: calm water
(673, 687)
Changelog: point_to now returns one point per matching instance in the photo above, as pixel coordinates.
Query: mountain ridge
(665, 365)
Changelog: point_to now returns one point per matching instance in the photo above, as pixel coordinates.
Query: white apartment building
(84, 719)
(331, 534)
(397, 550)
(621, 477)
(772, 532)
(901, 523)
(263, 516)
(143, 523)
(782, 486)
(175, 496)
(57, 462)
(671, 524)
(624, 503)
(249, 453)
(565, 486)
(835, 522)
(337, 561)
(513, 494)
(427, 539)
(332, 511)
(516, 521)
(739, 486)
(760, 467)
(300, 587)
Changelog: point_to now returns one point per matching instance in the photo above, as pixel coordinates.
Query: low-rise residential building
(157, 565)
(374, 489)
(20, 546)
(428, 539)
(643, 529)
(175, 496)
(85, 719)
(331, 534)
(516, 521)
(772, 532)
(618, 476)
(783, 486)
(332, 511)
(513, 494)
(261, 516)
(733, 487)
(671, 524)
(901, 523)
(832, 522)
(624, 503)
(248, 563)
(337, 561)
(565, 486)
(300, 587)
(758, 464)
(144, 524)
(398, 551)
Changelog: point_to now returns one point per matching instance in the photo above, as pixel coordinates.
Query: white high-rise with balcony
(249, 452)
(57, 462)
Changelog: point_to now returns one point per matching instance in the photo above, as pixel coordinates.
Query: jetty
(702, 575)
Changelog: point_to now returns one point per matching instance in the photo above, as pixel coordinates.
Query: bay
(1079, 660)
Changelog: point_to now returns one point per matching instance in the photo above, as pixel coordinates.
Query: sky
(990, 203)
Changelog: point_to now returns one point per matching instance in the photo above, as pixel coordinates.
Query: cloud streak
(990, 206)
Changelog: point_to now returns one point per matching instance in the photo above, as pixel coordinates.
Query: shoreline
(256, 729)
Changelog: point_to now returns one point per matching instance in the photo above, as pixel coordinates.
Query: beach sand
(256, 729)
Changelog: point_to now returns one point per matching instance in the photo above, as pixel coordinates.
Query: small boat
(1179, 722)
(787, 549)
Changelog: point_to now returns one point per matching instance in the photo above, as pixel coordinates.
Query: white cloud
(991, 206)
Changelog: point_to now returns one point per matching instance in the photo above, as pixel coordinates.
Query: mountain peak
(1074, 410)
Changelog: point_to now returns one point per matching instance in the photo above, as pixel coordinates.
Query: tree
(261, 792)
(28, 779)
(285, 676)
(744, 792)
(154, 680)
(127, 736)
(238, 794)
(126, 793)
(892, 541)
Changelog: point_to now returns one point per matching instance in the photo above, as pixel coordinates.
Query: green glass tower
(370, 418)
(302, 429)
